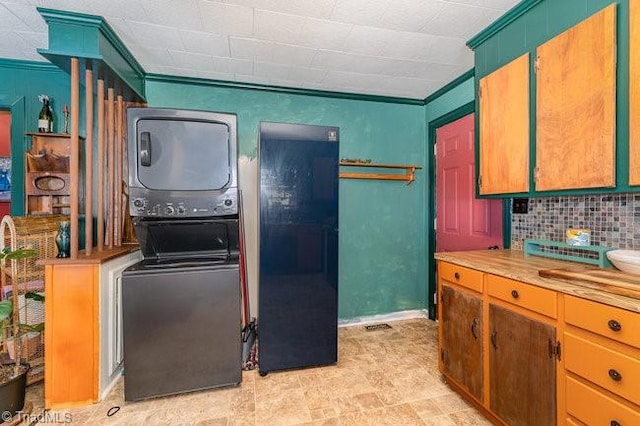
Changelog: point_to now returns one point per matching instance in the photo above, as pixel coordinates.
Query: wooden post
(74, 162)
(100, 165)
(117, 230)
(88, 200)
(110, 166)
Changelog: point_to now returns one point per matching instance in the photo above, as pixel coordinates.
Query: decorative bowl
(625, 260)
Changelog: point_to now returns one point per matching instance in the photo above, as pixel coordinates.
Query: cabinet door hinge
(536, 174)
(536, 65)
(442, 354)
(479, 91)
(555, 350)
(480, 181)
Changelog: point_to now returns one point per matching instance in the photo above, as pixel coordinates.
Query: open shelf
(47, 177)
(408, 175)
(592, 255)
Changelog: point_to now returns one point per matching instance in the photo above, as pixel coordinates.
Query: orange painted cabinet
(498, 345)
(576, 106)
(503, 140)
(602, 362)
(574, 117)
(83, 356)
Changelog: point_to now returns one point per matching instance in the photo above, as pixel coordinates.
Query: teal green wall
(20, 84)
(449, 101)
(382, 223)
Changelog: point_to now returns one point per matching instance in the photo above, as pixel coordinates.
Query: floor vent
(374, 327)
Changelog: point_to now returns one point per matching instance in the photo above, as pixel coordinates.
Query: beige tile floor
(383, 377)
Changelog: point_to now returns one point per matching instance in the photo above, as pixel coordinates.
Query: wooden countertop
(96, 257)
(515, 265)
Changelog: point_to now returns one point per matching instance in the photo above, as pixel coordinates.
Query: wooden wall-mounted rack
(408, 176)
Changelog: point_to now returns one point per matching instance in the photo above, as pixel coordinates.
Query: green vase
(63, 239)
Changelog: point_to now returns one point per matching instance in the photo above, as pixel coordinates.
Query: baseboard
(393, 316)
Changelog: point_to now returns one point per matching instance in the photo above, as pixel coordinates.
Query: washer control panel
(153, 204)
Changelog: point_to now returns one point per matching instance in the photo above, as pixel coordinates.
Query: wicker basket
(26, 275)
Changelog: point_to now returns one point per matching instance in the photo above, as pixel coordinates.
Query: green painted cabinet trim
(541, 20)
(511, 15)
(90, 39)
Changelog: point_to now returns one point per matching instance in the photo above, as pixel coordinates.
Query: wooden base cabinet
(527, 355)
(498, 344)
(461, 351)
(522, 368)
(602, 362)
(83, 356)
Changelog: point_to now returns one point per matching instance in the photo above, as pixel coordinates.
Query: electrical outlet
(520, 205)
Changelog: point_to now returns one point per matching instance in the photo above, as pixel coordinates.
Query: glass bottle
(63, 239)
(45, 118)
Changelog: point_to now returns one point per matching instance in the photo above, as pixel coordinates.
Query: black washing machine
(181, 304)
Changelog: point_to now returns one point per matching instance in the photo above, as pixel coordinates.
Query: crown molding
(162, 78)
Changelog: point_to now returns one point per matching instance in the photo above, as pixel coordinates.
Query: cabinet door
(634, 93)
(461, 346)
(504, 129)
(522, 371)
(575, 111)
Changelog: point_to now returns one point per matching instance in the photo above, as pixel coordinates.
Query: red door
(462, 221)
(5, 153)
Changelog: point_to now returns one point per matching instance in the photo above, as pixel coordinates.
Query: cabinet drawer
(595, 408)
(608, 321)
(460, 275)
(527, 296)
(599, 364)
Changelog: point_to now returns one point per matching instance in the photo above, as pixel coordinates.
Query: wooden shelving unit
(47, 180)
(408, 175)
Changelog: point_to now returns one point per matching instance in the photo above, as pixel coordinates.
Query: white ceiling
(402, 48)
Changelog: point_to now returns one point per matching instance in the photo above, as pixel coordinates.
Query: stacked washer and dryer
(181, 303)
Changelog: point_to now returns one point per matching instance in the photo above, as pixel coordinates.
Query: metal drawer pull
(615, 376)
(514, 294)
(474, 328)
(456, 275)
(614, 423)
(614, 325)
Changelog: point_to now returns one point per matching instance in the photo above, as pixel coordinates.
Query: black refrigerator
(298, 269)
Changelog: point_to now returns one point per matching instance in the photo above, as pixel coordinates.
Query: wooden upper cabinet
(576, 106)
(504, 129)
(634, 93)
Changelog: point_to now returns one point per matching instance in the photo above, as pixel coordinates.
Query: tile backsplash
(614, 220)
